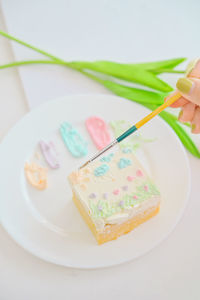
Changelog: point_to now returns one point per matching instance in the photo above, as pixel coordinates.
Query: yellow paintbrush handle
(136, 126)
(158, 110)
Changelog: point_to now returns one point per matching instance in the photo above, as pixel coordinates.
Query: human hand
(189, 88)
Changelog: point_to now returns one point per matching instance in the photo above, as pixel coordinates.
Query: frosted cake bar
(114, 195)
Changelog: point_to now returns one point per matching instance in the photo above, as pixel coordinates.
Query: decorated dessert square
(114, 194)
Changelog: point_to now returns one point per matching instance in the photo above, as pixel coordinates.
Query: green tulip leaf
(163, 64)
(142, 73)
(131, 73)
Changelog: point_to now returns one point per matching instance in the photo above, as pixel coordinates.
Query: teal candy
(73, 140)
(100, 171)
(124, 162)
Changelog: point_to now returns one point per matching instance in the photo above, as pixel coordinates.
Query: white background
(122, 30)
(116, 30)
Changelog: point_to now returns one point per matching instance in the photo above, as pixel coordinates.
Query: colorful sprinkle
(92, 196)
(125, 188)
(86, 179)
(139, 173)
(100, 171)
(100, 208)
(105, 195)
(116, 192)
(123, 163)
(121, 203)
(104, 209)
(86, 171)
(78, 177)
(83, 186)
(130, 178)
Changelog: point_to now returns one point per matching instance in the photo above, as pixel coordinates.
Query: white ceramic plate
(46, 223)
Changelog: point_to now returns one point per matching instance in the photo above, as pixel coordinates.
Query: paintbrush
(135, 127)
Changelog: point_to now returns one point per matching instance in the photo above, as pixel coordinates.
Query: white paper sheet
(88, 30)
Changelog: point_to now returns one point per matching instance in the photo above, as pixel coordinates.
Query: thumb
(189, 89)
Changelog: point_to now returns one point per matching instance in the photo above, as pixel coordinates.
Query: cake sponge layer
(113, 231)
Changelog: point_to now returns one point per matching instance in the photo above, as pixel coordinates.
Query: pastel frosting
(73, 140)
(36, 175)
(133, 142)
(98, 131)
(115, 190)
(50, 154)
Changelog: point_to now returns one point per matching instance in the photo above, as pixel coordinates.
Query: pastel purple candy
(49, 153)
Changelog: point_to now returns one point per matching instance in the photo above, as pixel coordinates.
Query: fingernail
(184, 85)
(180, 115)
(193, 127)
(191, 66)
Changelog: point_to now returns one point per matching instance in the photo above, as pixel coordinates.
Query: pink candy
(130, 178)
(135, 197)
(146, 188)
(139, 173)
(98, 130)
(116, 192)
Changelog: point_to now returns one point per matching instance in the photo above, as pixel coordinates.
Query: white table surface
(170, 271)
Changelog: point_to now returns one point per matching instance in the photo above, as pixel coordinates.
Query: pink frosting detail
(146, 188)
(135, 197)
(98, 131)
(130, 178)
(139, 173)
(116, 192)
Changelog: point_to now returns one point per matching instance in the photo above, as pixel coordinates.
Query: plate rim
(122, 261)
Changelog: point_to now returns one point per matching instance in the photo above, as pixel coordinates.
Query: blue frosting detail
(100, 171)
(107, 158)
(124, 162)
(127, 150)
